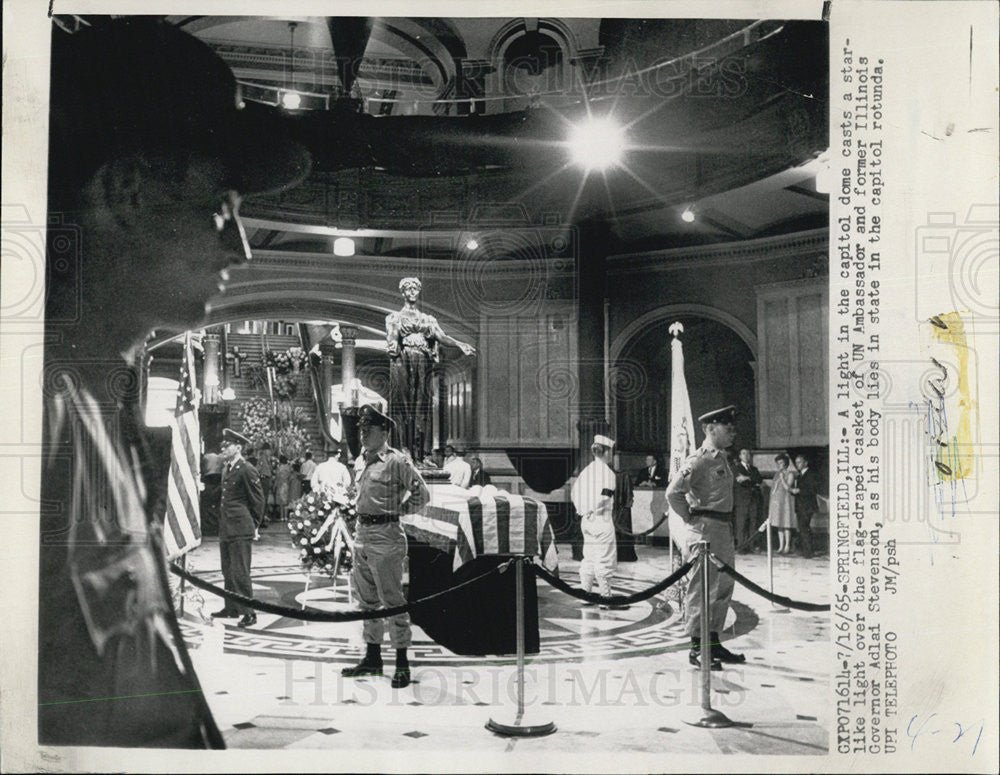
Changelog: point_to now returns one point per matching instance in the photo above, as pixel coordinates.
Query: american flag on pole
(182, 523)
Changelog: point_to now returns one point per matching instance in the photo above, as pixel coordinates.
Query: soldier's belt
(377, 519)
(711, 514)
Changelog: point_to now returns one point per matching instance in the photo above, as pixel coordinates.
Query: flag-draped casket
(460, 535)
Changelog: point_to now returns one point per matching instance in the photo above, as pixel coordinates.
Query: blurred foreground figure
(149, 155)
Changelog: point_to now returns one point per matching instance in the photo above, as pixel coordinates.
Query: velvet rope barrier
(328, 616)
(779, 599)
(644, 533)
(592, 597)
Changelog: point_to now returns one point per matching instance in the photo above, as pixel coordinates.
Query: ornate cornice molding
(436, 268)
(799, 245)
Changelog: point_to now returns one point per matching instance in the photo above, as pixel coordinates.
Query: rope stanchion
(329, 616)
(766, 527)
(521, 726)
(710, 718)
(591, 597)
(780, 599)
(644, 533)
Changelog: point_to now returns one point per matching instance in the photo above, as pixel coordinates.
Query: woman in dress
(295, 481)
(781, 509)
(412, 339)
(282, 486)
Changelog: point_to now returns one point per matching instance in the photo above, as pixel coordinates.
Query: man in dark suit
(653, 474)
(806, 505)
(746, 498)
(240, 514)
(624, 538)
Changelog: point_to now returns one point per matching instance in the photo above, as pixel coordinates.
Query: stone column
(328, 355)
(349, 419)
(593, 249)
(348, 340)
(210, 373)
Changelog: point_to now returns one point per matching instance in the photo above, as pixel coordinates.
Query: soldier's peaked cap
(232, 437)
(726, 414)
(369, 415)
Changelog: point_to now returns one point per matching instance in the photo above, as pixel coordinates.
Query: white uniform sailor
(593, 496)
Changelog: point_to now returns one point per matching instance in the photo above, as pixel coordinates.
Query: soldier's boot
(722, 654)
(401, 676)
(694, 656)
(371, 664)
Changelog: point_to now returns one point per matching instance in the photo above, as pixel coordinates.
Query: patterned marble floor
(614, 682)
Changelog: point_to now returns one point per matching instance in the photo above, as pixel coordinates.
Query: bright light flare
(343, 246)
(598, 143)
(291, 100)
(688, 215)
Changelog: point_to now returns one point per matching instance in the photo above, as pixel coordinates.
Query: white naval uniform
(593, 496)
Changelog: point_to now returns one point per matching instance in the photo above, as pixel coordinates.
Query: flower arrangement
(256, 375)
(291, 441)
(257, 419)
(285, 387)
(297, 357)
(290, 414)
(314, 527)
(282, 429)
(279, 361)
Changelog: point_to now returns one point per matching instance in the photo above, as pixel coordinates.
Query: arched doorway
(718, 368)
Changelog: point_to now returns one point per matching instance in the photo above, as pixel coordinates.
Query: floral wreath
(312, 526)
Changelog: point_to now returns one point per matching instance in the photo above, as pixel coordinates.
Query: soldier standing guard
(701, 494)
(240, 514)
(387, 484)
(593, 498)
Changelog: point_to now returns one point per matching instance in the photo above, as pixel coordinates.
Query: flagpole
(180, 604)
(681, 438)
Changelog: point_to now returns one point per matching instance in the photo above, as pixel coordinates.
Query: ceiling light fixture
(343, 246)
(688, 215)
(291, 99)
(597, 143)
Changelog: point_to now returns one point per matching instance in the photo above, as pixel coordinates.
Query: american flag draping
(465, 525)
(182, 523)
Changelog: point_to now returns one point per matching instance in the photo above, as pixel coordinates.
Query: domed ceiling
(447, 124)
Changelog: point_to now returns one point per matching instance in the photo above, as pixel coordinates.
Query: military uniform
(701, 501)
(388, 485)
(593, 495)
(380, 544)
(241, 511)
